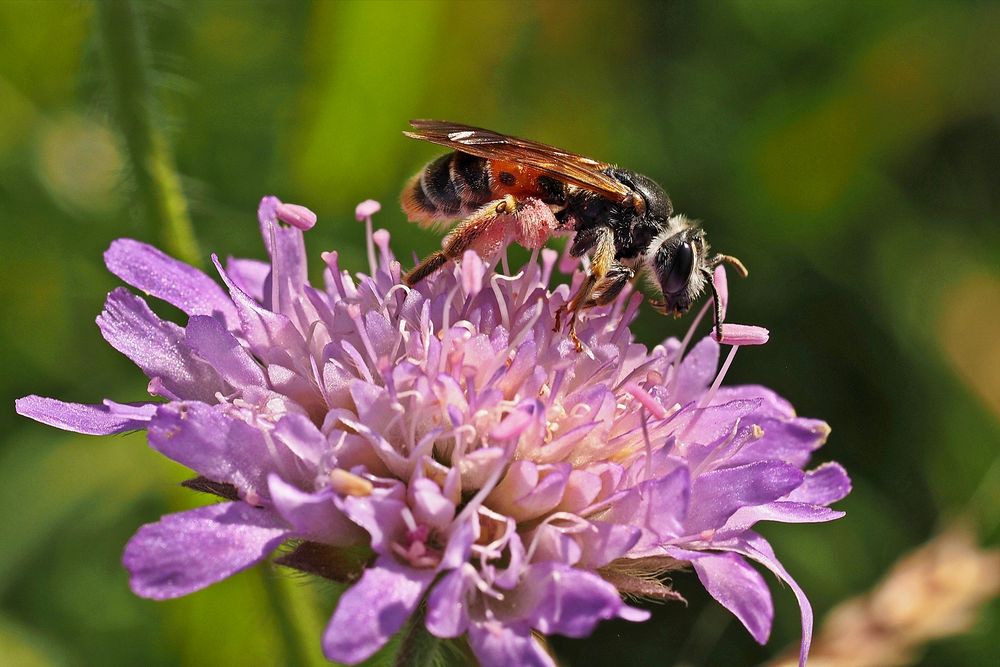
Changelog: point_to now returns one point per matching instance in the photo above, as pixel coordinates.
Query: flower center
(420, 547)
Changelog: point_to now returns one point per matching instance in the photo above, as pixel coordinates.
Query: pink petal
(185, 552)
(658, 507)
(498, 644)
(447, 607)
(150, 270)
(156, 346)
(313, 516)
(249, 275)
(717, 494)
(696, 372)
(781, 511)
(215, 445)
(105, 419)
(569, 601)
(271, 336)
(756, 548)
(737, 586)
(373, 610)
(214, 344)
(603, 542)
(826, 484)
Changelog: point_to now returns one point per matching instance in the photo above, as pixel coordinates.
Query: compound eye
(680, 269)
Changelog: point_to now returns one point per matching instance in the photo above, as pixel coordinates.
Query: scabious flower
(491, 473)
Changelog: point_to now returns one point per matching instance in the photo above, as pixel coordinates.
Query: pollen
(349, 484)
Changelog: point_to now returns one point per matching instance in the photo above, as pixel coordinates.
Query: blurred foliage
(848, 152)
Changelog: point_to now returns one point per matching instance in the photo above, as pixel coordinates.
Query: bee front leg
(465, 235)
(575, 304)
(602, 264)
(608, 288)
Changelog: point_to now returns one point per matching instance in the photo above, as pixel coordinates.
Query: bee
(623, 220)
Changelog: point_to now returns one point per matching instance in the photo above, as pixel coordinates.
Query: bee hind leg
(465, 235)
(426, 267)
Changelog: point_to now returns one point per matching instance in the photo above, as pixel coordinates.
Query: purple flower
(510, 483)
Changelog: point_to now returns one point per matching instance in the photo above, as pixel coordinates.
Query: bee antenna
(732, 261)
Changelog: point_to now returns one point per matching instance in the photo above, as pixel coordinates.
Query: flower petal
(373, 610)
(790, 440)
(301, 437)
(567, 600)
(156, 346)
(152, 271)
(213, 343)
(286, 245)
(499, 644)
(185, 552)
(249, 275)
(737, 586)
(429, 505)
(781, 511)
(213, 444)
(756, 548)
(381, 514)
(658, 507)
(824, 485)
(603, 542)
(271, 336)
(447, 607)
(717, 494)
(529, 490)
(696, 372)
(313, 516)
(105, 419)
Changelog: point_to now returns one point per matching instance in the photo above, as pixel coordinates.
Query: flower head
(513, 484)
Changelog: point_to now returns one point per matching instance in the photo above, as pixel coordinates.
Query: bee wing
(555, 162)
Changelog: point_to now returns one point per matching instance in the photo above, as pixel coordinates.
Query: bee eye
(680, 269)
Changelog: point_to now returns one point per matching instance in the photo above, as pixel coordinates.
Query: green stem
(279, 607)
(123, 42)
(419, 647)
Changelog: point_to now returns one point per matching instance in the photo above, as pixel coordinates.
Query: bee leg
(710, 279)
(717, 305)
(608, 288)
(602, 264)
(575, 304)
(462, 237)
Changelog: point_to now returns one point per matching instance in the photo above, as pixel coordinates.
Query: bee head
(677, 260)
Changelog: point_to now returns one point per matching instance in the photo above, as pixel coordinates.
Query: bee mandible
(623, 220)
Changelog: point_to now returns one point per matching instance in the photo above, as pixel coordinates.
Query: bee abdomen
(451, 186)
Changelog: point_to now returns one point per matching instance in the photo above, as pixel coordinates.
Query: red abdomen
(456, 184)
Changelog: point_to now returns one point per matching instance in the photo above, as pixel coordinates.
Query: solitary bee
(624, 220)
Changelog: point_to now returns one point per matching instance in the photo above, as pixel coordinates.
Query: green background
(848, 152)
